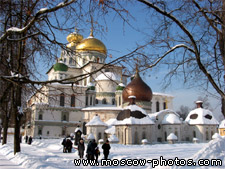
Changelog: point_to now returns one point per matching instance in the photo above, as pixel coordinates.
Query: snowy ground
(47, 154)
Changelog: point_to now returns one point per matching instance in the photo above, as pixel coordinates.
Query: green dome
(91, 88)
(60, 67)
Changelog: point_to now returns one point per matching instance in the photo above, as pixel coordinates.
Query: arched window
(164, 105)
(113, 101)
(99, 136)
(40, 117)
(97, 60)
(104, 101)
(62, 99)
(165, 134)
(194, 134)
(135, 137)
(96, 101)
(72, 100)
(86, 100)
(40, 131)
(64, 60)
(64, 117)
(143, 135)
(119, 100)
(70, 61)
(157, 106)
(90, 100)
(207, 135)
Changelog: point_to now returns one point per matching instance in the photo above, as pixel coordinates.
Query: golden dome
(137, 87)
(91, 44)
(74, 38)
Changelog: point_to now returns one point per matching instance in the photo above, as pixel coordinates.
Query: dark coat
(106, 148)
(81, 148)
(64, 142)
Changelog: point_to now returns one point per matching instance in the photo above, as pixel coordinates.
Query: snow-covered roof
(222, 124)
(144, 141)
(154, 115)
(110, 130)
(108, 76)
(91, 137)
(111, 121)
(216, 135)
(102, 108)
(134, 107)
(132, 120)
(113, 138)
(161, 94)
(171, 119)
(201, 116)
(171, 136)
(96, 121)
(77, 129)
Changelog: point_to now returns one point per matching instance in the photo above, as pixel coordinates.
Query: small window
(119, 100)
(113, 101)
(157, 106)
(194, 116)
(70, 61)
(39, 131)
(104, 101)
(99, 136)
(159, 126)
(64, 60)
(90, 100)
(86, 100)
(164, 105)
(62, 99)
(194, 134)
(72, 100)
(40, 117)
(64, 117)
(96, 101)
(143, 135)
(47, 132)
(208, 116)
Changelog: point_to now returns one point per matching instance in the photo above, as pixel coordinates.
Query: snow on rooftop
(110, 107)
(110, 130)
(77, 129)
(113, 138)
(201, 116)
(132, 120)
(122, 85)
(154, 115)
(111, 121)
(134, 107)
(96, 121)
(171, 136)
(222, 124)
(91, 137)
(171, 119)
(216, 135)
(161, 94)
(108, 76)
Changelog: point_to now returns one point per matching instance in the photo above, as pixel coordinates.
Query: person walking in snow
(69, 145)
(97, 153)
(90, 151)
(30, 140)
(26, 138)
(64, 145)
(106, 147)
(81, 148)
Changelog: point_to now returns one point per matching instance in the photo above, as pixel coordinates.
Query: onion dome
(73, 39)
(137, 87)
(60, 66)
(91, 44)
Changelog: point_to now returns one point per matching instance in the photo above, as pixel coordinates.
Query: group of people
(92, 149)
(28, 140)
(67, 145)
